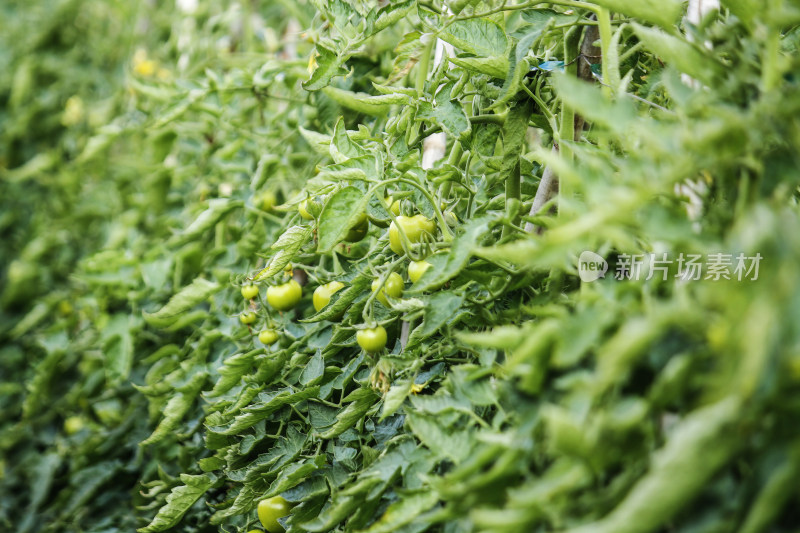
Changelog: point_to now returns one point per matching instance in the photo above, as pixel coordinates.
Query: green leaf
(343, 210)
(179, 500)
(588, 100)
(381, 18)
(440, 308)
(376, 106)
(361, 402)
(500, 337)
(289, 477)
(662, 13)
(198, 292)
(679, 53)
(234, 367)
(404, 511)
(317, 141)
(539, 19)
(442, 442)
(329, 65)
(313, 369)
(342, 147)
(284, 249)
(395, 397)
(176, 409)
(518, 67)
(445, 269)
(745, 10)
(495, 66)
(448, 114)
(268, 404)
(481, 37)
(342, 299)
(217, 209)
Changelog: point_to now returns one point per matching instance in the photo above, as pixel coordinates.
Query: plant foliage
(154, 159)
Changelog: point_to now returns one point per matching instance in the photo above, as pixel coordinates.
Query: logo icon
(591, 266)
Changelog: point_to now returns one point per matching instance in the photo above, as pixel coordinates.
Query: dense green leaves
(153, 178)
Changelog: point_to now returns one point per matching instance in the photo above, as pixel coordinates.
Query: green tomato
(249, 292)
(303, 210)
(414, 228)
(270, 510)
(323, 293)
(416, 269)
(285, 296)
(268, 336)
(394, 205)
(247, 317)
(372, 339)
(73, 425)
(359, 229)
(265, 201)
(393, 287)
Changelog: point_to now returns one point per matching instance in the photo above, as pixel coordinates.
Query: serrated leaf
(342, 299)
(481, 37)
(285, 248)
(495, 66)
(375, 106)
(179, 500)
(379, 19)
(679, 53)
(217, 209)
(443, 442)
(439, 308)
(329, 65)
(317, 141)
(198, 292)
(176, 409)
(395, 397)
(270, 403)
(342, 147)
(342, 211)
(404, 511)
(448, 114)
(361, 402)
(588, 100)
(232, 370)
(445, 269)
(662, 13)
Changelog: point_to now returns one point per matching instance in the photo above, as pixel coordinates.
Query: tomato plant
(159, 162)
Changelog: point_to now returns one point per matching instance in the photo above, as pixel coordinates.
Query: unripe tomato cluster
(404, 230)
